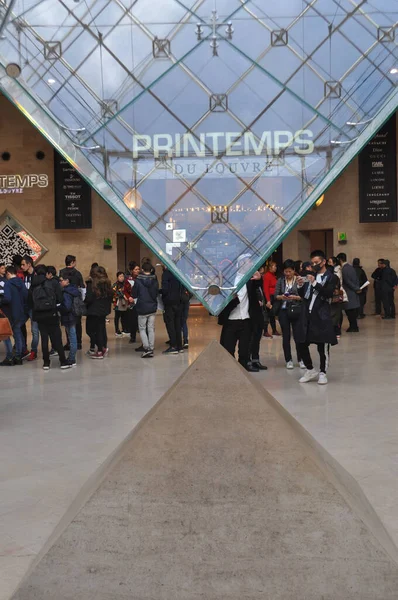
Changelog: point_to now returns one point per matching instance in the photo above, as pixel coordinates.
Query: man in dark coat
(388, 284)
(376, 275)
(316, 325)
(172, 291)
(362, 279)
(351, 287)
(241, 317)
(75, 278)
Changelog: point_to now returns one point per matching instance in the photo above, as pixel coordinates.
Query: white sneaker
(322, 379)
(290, 365)
(309, 376)
(301, 365)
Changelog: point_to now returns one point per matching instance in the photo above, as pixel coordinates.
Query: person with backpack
(145, 292)
(46, 299)
(71, 297)
(75, 278)
(121, 294)
(13, 298)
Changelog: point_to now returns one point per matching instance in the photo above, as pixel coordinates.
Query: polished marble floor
(57, 427)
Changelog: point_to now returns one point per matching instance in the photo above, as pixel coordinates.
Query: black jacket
(171, 289)
(255, 296)
(146, 291)
(362, 278)
(74, 276)
(376, 275)
(388, 279)
(97, 306)
(46, 316)
(316, 327)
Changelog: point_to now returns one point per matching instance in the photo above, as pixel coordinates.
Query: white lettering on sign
(23, 181)
(229, 144)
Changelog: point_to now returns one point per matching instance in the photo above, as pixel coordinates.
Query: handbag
(122, 304)
(293, 310)
(5, 327)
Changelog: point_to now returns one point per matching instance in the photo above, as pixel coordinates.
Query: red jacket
(269, 285)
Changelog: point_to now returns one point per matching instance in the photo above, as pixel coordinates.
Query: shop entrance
(317, 239)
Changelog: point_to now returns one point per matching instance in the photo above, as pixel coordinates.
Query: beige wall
(35, 207)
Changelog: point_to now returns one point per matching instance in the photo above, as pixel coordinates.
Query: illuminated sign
(228, 144)
(14, 184)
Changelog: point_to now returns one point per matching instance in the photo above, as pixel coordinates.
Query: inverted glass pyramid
(209, 126)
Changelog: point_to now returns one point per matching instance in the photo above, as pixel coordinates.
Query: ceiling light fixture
(50, 81)
(13, 70)
(394, 71)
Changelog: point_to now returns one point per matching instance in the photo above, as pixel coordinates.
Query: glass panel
(210, 131)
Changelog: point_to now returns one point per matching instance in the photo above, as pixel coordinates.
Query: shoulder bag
(5, 327)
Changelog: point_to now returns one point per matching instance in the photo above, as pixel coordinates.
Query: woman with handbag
(121, 294)
(289, 306)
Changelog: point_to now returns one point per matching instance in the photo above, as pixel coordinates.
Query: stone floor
(57, 427)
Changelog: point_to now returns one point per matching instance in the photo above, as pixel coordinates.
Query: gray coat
(350, 285)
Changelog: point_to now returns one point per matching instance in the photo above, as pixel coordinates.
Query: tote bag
(5, 327)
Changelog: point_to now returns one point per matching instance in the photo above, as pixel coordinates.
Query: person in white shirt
(237, 318)
(316, 325)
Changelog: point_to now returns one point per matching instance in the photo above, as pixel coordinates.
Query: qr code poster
(15, 239)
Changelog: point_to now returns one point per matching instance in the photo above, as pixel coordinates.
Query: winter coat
(351, 286)
(171, 289)
(255, 295)
(339, 273)
(13, 300)
(50, 316)
(377, 275)
(269, 283)
(97, 306)
(146, 292)
(70, 292)
(316, 327)
(362, 277)
(74, 276)
(388, 279)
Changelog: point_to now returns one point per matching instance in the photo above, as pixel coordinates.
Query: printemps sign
(15, 184)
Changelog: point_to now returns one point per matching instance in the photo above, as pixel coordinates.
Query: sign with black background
(378, 177)
(72, 197)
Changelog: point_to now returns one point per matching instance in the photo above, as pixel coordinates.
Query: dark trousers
(378, 299)
(132, 323)
(361, 309)
(237, 332)
(121, 315)
(352, 317)
(287, 327)
(388, 303)
(96, 331)
(255, 341)
(184, 319)
(271, 317)
(323, 351)
(51, 331)
(173, 320)
(25, 336)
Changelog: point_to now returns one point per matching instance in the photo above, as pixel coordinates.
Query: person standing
(290, 307)
(236, 318)
(269, 284)
(362, 278)
(121, 294)
(315, 325)
(351, 287)
(68, 318)
(145, 293)
(29, 272)
(75, 278)
(186, 299)
(134, 271)
(46, 297)
(376, 275)
(13, 298)
(388, 284)
(99, 303)
(171, 295)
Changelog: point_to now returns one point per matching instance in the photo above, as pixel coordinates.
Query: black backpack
(44, 299)
(79, 309)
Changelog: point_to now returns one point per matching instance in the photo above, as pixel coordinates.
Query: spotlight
(51, 81)
(6, 156)
(40, 155)
(394, 71)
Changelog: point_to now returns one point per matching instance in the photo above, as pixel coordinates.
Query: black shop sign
(72, 197)
(378, 177)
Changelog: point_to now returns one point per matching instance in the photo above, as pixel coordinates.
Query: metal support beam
(7, 15)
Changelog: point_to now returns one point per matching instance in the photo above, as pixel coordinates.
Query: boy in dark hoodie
(145, 291)
(68, 319)
(46, 281)
(13, 302)
(75, 278)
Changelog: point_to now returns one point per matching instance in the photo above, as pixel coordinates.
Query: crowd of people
(307, 301)
(52, 301)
